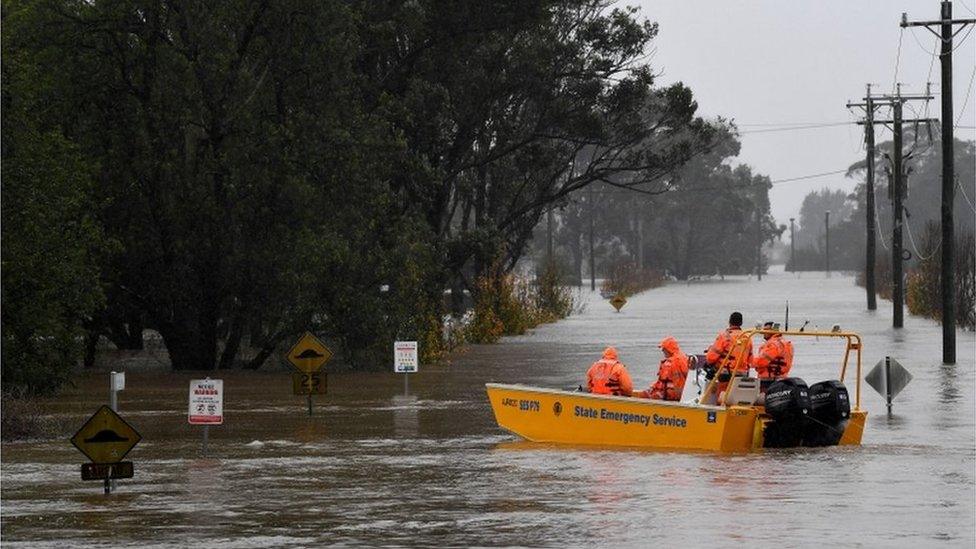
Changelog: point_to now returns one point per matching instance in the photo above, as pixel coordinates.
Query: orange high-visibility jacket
(671, 373)
(608, 376)
(775, 358)
(723, 346)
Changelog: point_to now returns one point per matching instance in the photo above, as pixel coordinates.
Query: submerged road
(372, 467)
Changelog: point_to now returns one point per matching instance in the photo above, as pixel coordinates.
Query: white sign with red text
(206, 401)
(405, 357)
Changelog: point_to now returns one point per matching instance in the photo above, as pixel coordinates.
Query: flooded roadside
(374, 467)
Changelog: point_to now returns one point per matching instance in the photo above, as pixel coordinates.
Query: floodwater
(372, 467)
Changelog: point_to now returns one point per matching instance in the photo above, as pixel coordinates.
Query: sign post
(405, 361)
(206, 405)
(888, 378)
(116, 383)
(308, 356)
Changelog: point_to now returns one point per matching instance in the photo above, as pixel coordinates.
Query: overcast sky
(766, 62)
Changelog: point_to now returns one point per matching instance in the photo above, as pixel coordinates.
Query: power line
(786, 123)
(894, 80)
(965, 6)
(791, 128)
(811, 176)
(911, 238)
(965, 102)
(966, 196)
(961, 42)
(724, 187)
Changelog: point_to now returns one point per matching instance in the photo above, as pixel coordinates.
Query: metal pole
(592, 261)
(888, 382)
(406, 384)
(758, 245)
(948, 194)
(897, 262)
(206, 439)
(309, 397)
(869, 282)
(549, 236)
(792, 245)
(640, 243)
(113, 403)
(827, 240)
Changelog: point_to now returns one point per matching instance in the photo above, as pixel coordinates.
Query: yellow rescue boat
(733, 420)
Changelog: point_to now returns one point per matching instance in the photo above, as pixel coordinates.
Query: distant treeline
(232, 173)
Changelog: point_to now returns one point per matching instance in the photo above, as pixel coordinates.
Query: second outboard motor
(830, 407)
(788, 404)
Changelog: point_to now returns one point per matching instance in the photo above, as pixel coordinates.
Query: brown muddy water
(374, 468)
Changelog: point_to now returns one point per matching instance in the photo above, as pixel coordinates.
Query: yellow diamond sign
(309, 354)
(106, 437)
(618, 301)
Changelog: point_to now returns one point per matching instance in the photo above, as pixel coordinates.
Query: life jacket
(671, 377)
(775, 358)
(608, 376)
(725, 346)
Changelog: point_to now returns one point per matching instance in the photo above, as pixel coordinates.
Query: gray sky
(784, 62)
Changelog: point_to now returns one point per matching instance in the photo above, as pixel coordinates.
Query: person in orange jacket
(608, 376)
(671, 374)
(725, 346)
(775, 357)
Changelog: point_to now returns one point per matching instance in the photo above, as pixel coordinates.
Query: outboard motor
(830, 408)
(788, 405)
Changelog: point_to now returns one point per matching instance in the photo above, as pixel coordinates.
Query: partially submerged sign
(309, 354)
(206, 402)
(106, 437)
(405, 360)
(309, 384)
(104, 471)
(618, 301)
(888, 378)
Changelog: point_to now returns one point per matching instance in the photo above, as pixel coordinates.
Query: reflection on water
(405, 416)
(366, 470)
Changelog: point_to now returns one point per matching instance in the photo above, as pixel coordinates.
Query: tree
(51, 239)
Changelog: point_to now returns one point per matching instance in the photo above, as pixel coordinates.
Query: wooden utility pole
(945, 35)
(897, 261)
(827, 242)
(792, 245)
(896, 186)
(870, 244)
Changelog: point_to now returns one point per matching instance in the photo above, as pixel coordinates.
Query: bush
(509, 305)
(553, 300)
(626, 279)
(924, 286)
(22, 418)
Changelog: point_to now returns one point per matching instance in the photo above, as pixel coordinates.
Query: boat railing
(734, 362)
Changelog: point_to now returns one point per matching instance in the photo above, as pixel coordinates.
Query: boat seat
(743, 391)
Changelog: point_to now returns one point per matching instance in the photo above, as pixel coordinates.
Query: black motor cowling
(830, 408)
(788, 404)
(787, 398)
(829, 401)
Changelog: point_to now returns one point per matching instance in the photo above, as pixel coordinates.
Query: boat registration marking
(522, 404)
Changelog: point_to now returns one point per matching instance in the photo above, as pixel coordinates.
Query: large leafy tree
(51, 239)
